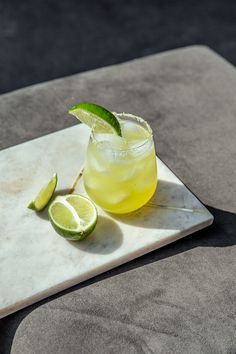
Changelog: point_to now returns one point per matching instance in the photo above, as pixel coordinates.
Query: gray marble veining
(35, 262)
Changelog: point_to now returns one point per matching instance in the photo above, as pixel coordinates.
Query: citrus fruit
(92, 114)
(73, 216)
(44, 196)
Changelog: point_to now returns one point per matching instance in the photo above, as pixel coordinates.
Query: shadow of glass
(43, 214)
(61, 192)
(172, 207)
(105, 239)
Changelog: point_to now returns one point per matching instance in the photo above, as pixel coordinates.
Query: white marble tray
(35, 262)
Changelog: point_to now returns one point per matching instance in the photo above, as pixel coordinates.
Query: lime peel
(44, 196)
(90, 114)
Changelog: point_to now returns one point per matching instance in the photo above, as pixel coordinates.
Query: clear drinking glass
(120, 174)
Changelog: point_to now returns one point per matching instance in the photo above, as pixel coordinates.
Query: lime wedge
(91, 114)
(44, 196)
(73, 216)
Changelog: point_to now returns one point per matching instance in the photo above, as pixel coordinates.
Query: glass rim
(135, 118)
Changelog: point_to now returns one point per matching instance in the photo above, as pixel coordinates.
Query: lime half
(44, 196)
(73, 216)
(91, 114)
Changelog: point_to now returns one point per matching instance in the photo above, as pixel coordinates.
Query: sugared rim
(137, 119)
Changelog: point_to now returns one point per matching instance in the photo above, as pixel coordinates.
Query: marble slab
(35, 262)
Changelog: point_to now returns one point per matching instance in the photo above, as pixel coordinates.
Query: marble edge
(180, 179)
(104, 268)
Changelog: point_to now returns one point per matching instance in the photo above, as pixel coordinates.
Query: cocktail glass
(120, 174)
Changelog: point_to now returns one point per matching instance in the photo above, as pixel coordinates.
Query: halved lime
(73, 216)
(44, 196)
(90, 114)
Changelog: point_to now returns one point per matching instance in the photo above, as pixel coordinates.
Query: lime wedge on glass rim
(90, 114)
(44, 196)
(73, 216)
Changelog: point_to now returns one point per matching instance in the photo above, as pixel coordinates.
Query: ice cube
(102, 137)
(138, 151)
(135, 143)
(133, 131)
(95, 163)
(92, 183)
(112, 141)
(119, 197)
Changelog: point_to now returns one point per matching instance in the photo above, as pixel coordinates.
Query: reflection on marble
(35, 262)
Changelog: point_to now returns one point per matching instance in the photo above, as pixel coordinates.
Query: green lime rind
(72, 235)
(44, 196)
(31, 205)
(77, 233)
(89, 113)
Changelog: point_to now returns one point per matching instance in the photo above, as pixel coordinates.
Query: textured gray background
(180, 299)
(58, 38)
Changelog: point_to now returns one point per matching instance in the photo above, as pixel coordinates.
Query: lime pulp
(45, 195)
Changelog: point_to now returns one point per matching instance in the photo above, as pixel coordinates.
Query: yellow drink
(120, 173)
